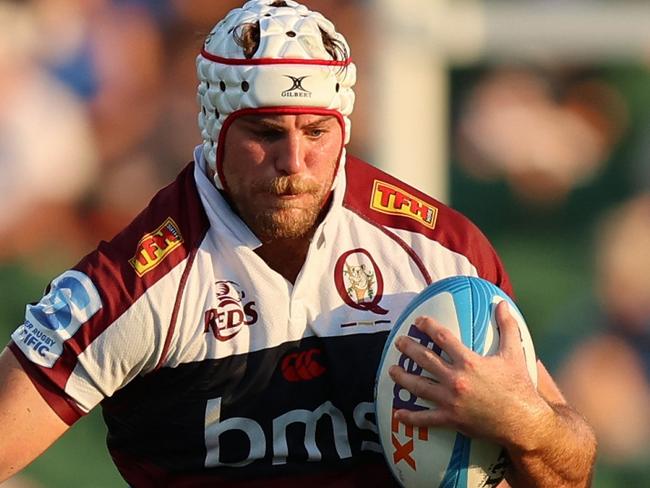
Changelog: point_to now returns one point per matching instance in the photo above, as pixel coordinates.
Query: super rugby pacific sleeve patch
(72, 301)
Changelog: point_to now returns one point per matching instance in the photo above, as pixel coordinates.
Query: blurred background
(531, 117)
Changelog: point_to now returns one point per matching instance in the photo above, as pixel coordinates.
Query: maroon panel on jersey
(159, 238)
(387, 201)
(64, 407)
(371, 474)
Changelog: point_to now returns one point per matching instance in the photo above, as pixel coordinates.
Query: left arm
(493, 397)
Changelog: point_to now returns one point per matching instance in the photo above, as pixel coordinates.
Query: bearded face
(282, 207)
(279, 170)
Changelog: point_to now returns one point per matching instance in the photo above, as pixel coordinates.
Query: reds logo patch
(359, 281)
(389, 199)
(231, 314)
(155, 246)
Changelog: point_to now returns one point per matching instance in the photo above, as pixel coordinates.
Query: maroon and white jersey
(211, 368)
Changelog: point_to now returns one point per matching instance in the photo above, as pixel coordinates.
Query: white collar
(218, 210)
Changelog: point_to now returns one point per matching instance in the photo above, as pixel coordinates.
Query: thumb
(509, 334)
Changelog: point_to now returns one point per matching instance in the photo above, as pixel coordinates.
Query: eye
(267, 134)
(316, 132)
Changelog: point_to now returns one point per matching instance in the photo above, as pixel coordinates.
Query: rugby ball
(434, 457)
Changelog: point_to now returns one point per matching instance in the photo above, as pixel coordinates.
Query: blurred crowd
(607, 375)
(98, 111)
(546, 132)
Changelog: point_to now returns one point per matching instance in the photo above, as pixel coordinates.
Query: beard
(282, 219)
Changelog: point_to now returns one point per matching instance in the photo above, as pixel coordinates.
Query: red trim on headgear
(257, 61)
(272, 111)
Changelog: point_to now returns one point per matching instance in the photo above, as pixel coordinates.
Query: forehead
(285, 121)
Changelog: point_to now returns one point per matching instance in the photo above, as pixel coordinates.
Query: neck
(285, 256)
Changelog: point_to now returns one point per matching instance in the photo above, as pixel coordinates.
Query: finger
(422, 356)
(423, 418)
(509, 334)
(419, 386)
(443, 338)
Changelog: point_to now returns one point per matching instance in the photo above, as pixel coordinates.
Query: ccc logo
(302, 366)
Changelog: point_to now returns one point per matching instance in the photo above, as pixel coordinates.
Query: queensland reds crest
(359, 281)
(232, 311)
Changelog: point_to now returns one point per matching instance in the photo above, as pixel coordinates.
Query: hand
(489, 397)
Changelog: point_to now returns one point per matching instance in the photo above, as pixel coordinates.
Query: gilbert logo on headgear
(297, 90)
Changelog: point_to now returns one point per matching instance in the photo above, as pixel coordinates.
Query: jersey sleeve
(110, 318)
(465, 238)
(74, 352)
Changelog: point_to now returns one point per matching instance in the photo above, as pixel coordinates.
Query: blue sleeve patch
(70, 303)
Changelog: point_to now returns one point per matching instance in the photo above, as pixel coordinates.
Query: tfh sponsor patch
(70, 303)
(389, 199)
(155, 246)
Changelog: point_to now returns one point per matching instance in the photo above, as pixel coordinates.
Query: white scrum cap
(291, 72)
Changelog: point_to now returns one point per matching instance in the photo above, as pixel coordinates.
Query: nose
(290, 155)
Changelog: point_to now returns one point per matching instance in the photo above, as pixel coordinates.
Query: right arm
(28, 424)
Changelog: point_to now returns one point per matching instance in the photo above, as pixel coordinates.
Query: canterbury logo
(296, 90)
(390, 199)
(302, 366)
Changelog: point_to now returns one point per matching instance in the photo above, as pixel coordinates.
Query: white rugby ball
(433, 457)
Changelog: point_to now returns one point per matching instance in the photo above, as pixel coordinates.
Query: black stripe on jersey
(160, 418)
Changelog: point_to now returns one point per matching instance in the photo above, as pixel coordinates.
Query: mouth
(289, 195)
(288, 200)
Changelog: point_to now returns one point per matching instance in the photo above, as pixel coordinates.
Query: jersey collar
(222, 219)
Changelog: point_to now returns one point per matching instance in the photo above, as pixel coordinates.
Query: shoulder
(84, 303)
(389, 203)
(163, 235)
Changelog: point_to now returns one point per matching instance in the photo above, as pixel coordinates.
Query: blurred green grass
(80, 458)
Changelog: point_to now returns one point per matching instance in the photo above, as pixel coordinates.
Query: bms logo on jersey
(71, 302)
(322, 434)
